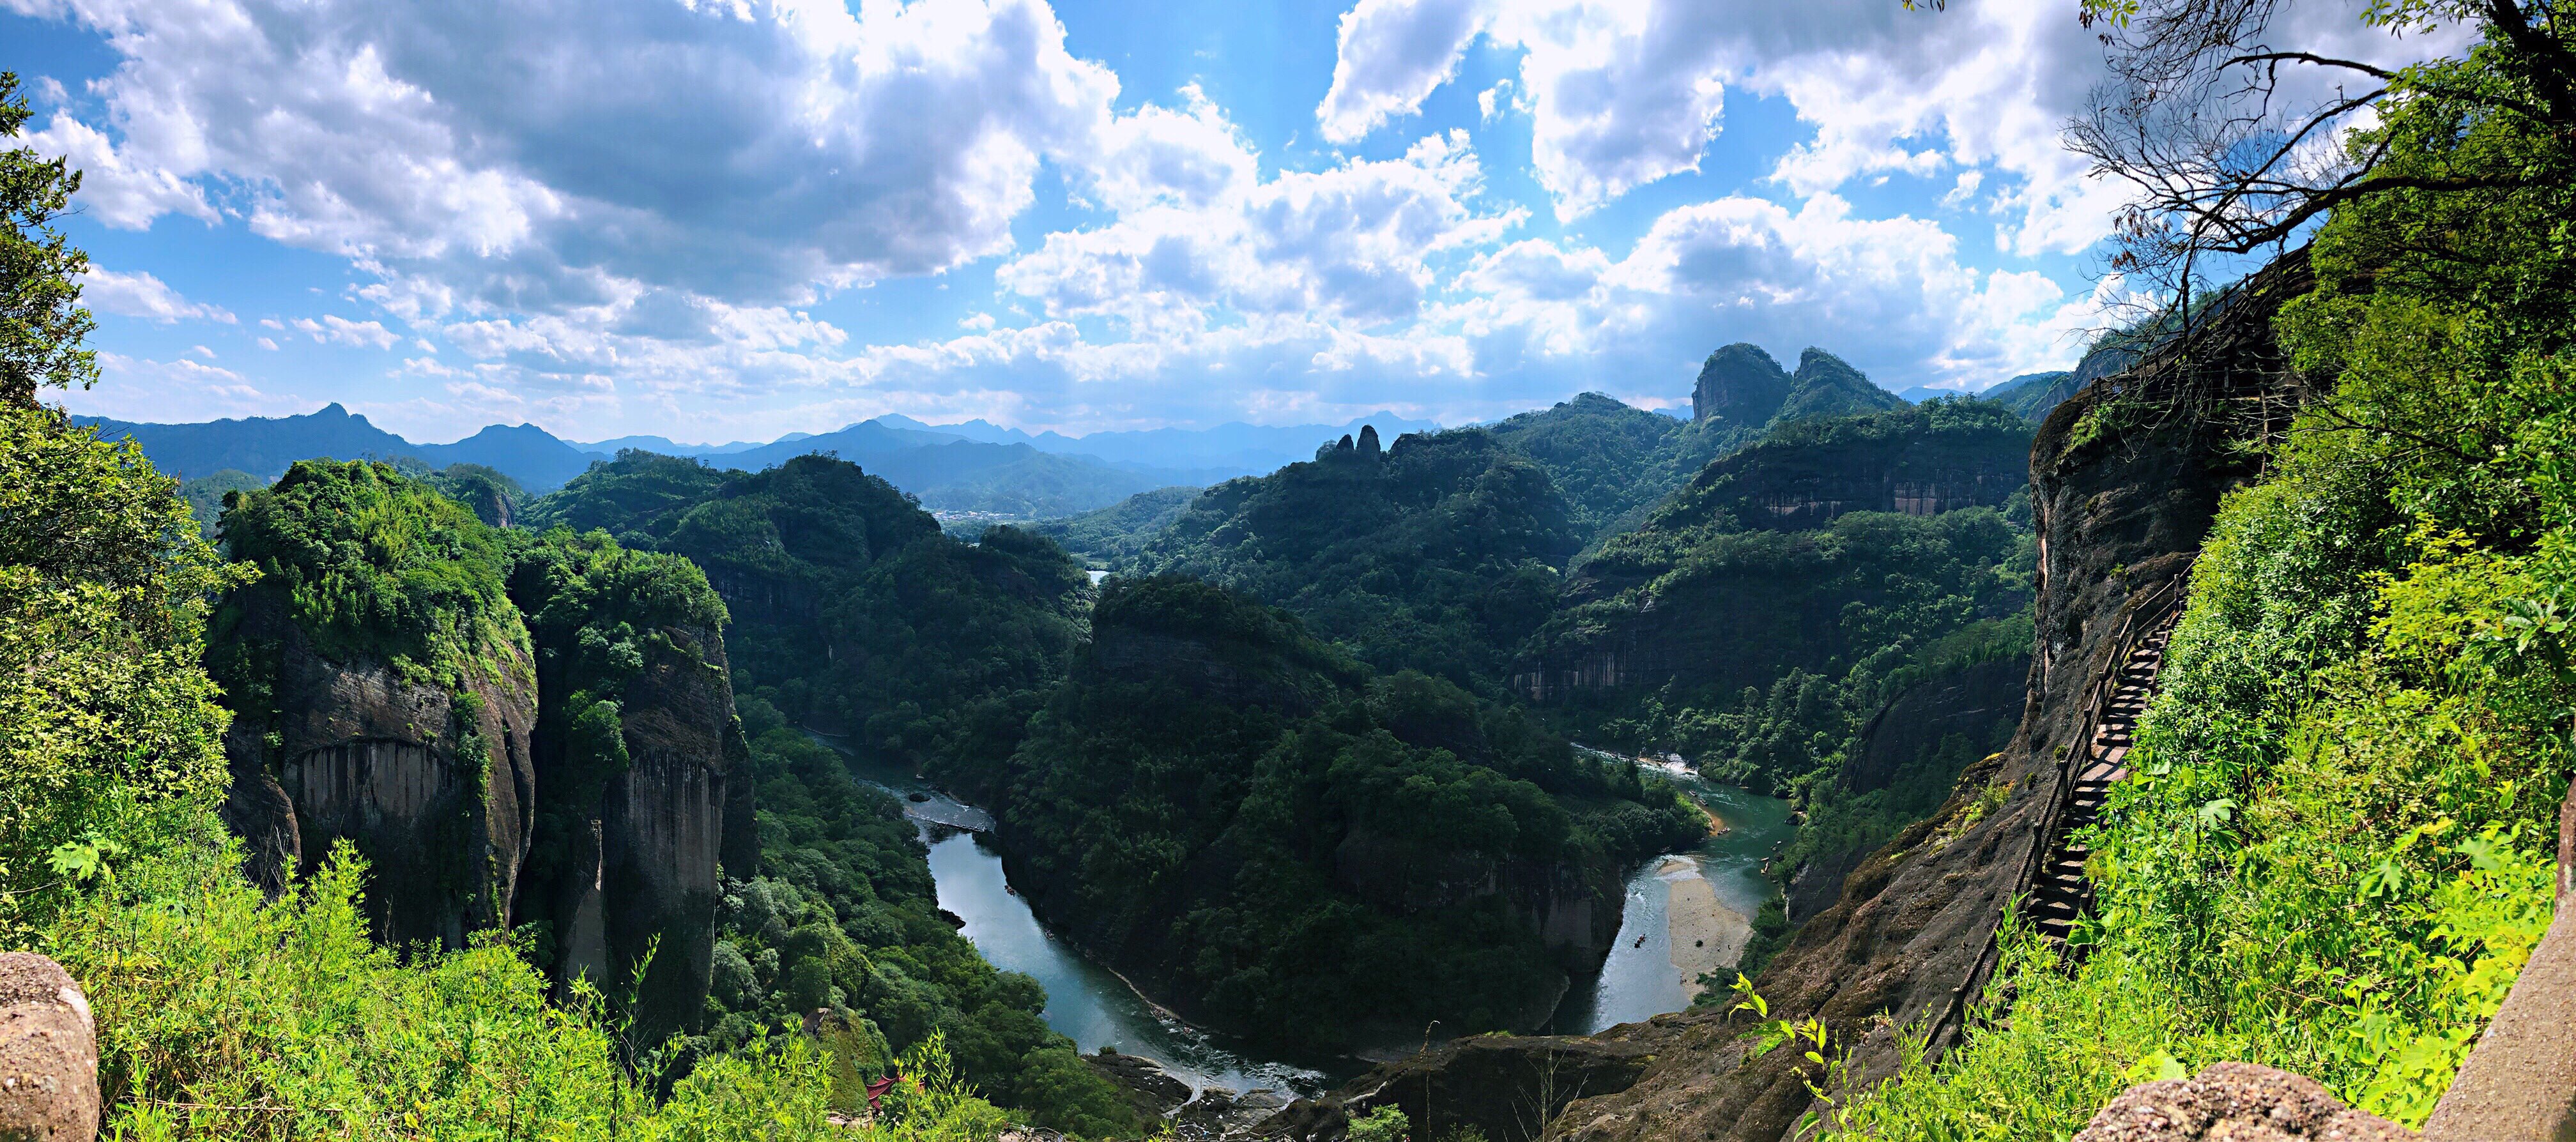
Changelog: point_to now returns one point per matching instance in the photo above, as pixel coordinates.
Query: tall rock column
(643, 770)
(383, 694)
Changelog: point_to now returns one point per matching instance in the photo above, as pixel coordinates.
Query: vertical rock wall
(640, 863)
(435, 788)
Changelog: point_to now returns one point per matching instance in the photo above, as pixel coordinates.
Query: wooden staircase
(2059, 892)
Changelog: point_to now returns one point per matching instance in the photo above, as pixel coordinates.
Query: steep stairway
(2059, 893)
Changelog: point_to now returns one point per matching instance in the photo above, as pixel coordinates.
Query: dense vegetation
(2336, 855)
(1609, 460)
(851, 610)
(1439, 554)
(1771, 644)
(1227, 805)
(369, 565)
(841, 915)
(109, 729)
(1108, 537)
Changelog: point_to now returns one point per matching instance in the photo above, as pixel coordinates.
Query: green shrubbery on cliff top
(374, 565)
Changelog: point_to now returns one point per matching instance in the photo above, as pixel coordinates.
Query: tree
(2237, 143)
(42, 323)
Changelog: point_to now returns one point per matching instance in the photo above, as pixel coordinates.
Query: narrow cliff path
(2059, 893)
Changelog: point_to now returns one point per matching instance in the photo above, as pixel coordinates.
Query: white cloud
(1352, 243)
(745, 152)
(139, 294)
(1624, 92)
(334, 329)
(1391, 55)
(269, 344)
(1621, 92)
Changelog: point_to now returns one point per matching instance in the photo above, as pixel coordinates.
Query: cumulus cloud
(1390, 56)
(746, 152)
(139, 294)
(334, 329)
(1620, 93)
(1624, 92)
(1349, 243)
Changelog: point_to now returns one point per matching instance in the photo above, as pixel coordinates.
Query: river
(1687, 912)
(1086, 1002)
(1092, 1006)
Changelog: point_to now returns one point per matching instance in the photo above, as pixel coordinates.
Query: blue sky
(729, 219)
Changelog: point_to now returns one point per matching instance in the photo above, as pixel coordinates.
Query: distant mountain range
(958, 470)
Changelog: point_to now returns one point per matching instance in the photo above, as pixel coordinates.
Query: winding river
(1687, 913)
(1707, 894)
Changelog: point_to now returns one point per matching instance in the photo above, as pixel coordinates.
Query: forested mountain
(1110, 537)
(1276, 839)
(851, 610)
(1824, 546)
(1438, 554)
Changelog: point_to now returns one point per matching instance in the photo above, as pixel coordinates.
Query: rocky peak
(1826, 385)
(1740, 385)
(1369, 446)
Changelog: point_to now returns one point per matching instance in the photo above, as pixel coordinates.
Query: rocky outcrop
(1739, 386)
(434, 787)
(48, 1054)
(641, 862)
(1509, 1087)
(2236, 1102)
(1150, 1090)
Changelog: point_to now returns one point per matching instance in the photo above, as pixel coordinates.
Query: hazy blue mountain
(859, 444)
(665, 446)
(528, 454)
(264, 446)
(260, 445)
(1182, 455)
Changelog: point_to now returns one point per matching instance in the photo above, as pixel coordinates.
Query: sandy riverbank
(1707, 936)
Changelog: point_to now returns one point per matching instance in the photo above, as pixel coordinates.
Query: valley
(2142, 711)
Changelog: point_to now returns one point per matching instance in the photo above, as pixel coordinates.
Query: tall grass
(225, 1015)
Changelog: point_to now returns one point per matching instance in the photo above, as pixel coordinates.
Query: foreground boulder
(2238, 1102)
(48, 1054)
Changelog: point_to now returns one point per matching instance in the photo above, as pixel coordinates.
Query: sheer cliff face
(639, 861)
(2125, 480)
(1740, 386)
(435, 788)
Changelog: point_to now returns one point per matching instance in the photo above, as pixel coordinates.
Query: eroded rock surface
(640, 863)
(435, 787)
(48, 1054)
(2236, 1102)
